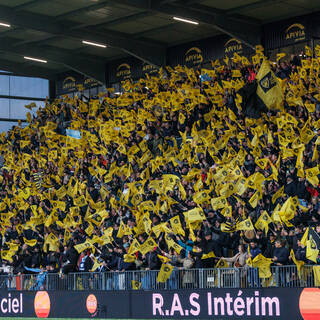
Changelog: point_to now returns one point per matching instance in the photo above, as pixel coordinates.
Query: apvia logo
(92, 304)
(42, 304)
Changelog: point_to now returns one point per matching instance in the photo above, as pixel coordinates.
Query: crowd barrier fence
(282, 276)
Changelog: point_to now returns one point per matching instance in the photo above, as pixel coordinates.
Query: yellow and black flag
(263, 94)
(165, 272)
(136, 285)
(313, 245)
(269, 89)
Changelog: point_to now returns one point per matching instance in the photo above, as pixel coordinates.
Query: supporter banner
(72, 82)
(266, 303)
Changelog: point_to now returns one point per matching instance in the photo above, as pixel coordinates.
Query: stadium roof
(53, 30)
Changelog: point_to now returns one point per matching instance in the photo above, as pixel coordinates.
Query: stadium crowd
(177, 170)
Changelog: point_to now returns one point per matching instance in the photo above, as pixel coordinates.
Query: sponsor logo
(89, 82)
(309, 303)
(149, 68)
(69, 83)
(124, 71)
(233, 45)
(227, 305)
(42, 304)
(295, 32)
(12, 304)
(92, 304)
(193, 56)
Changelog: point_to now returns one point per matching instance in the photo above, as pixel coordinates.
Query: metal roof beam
(74, 13)
(209, 10)
(143, 50)
(243, 31)
(129, 18)
(29, 4)
(251, 6)
(92, 68)
(26, 69)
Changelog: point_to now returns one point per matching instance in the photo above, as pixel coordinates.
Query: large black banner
(288, 32)
(73, 82)
(266, 303)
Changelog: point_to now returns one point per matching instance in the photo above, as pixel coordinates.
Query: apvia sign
(232, 46)
(295, 32)
(193, 57)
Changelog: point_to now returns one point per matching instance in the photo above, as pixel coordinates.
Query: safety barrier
(281, 276)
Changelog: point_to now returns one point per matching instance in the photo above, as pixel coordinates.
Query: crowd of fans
(169, 144)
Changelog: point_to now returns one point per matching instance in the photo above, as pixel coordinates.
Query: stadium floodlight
(90, 43)
(35, 59)
(5, 25)
(185, 20)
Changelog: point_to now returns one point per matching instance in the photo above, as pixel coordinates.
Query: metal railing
(284, 276)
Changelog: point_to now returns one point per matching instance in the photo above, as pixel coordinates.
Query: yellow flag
(313, 245)
(308, 51)
(195, 214)
(182, 118)
(262, 163)
(255, 198)
(208, 255)
(278, 194)
(163, 259)
(280, 56)
(298, 263)
(269, 89)
(129, 258)
(227, 190)
(147, 246)
(263, 222)
(165, 272)
(83, 246)
(222, 264)
(60, 193)
(52, 242)
(200, 197)
(176, 225)
(316, 274)
(312, 176)
(236, 74)
(67, 236)
(136, 285)
(31, 242)
(134, 247)
(80, 202)
(245, 225)
(305, 237)
(263, 264)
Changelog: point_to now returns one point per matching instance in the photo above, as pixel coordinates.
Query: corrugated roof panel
(57, 7)
(226, 4)
(274, 12)
(27, 34)
(130, 27)
(13, 3)
(63, 43)
(105, 14)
